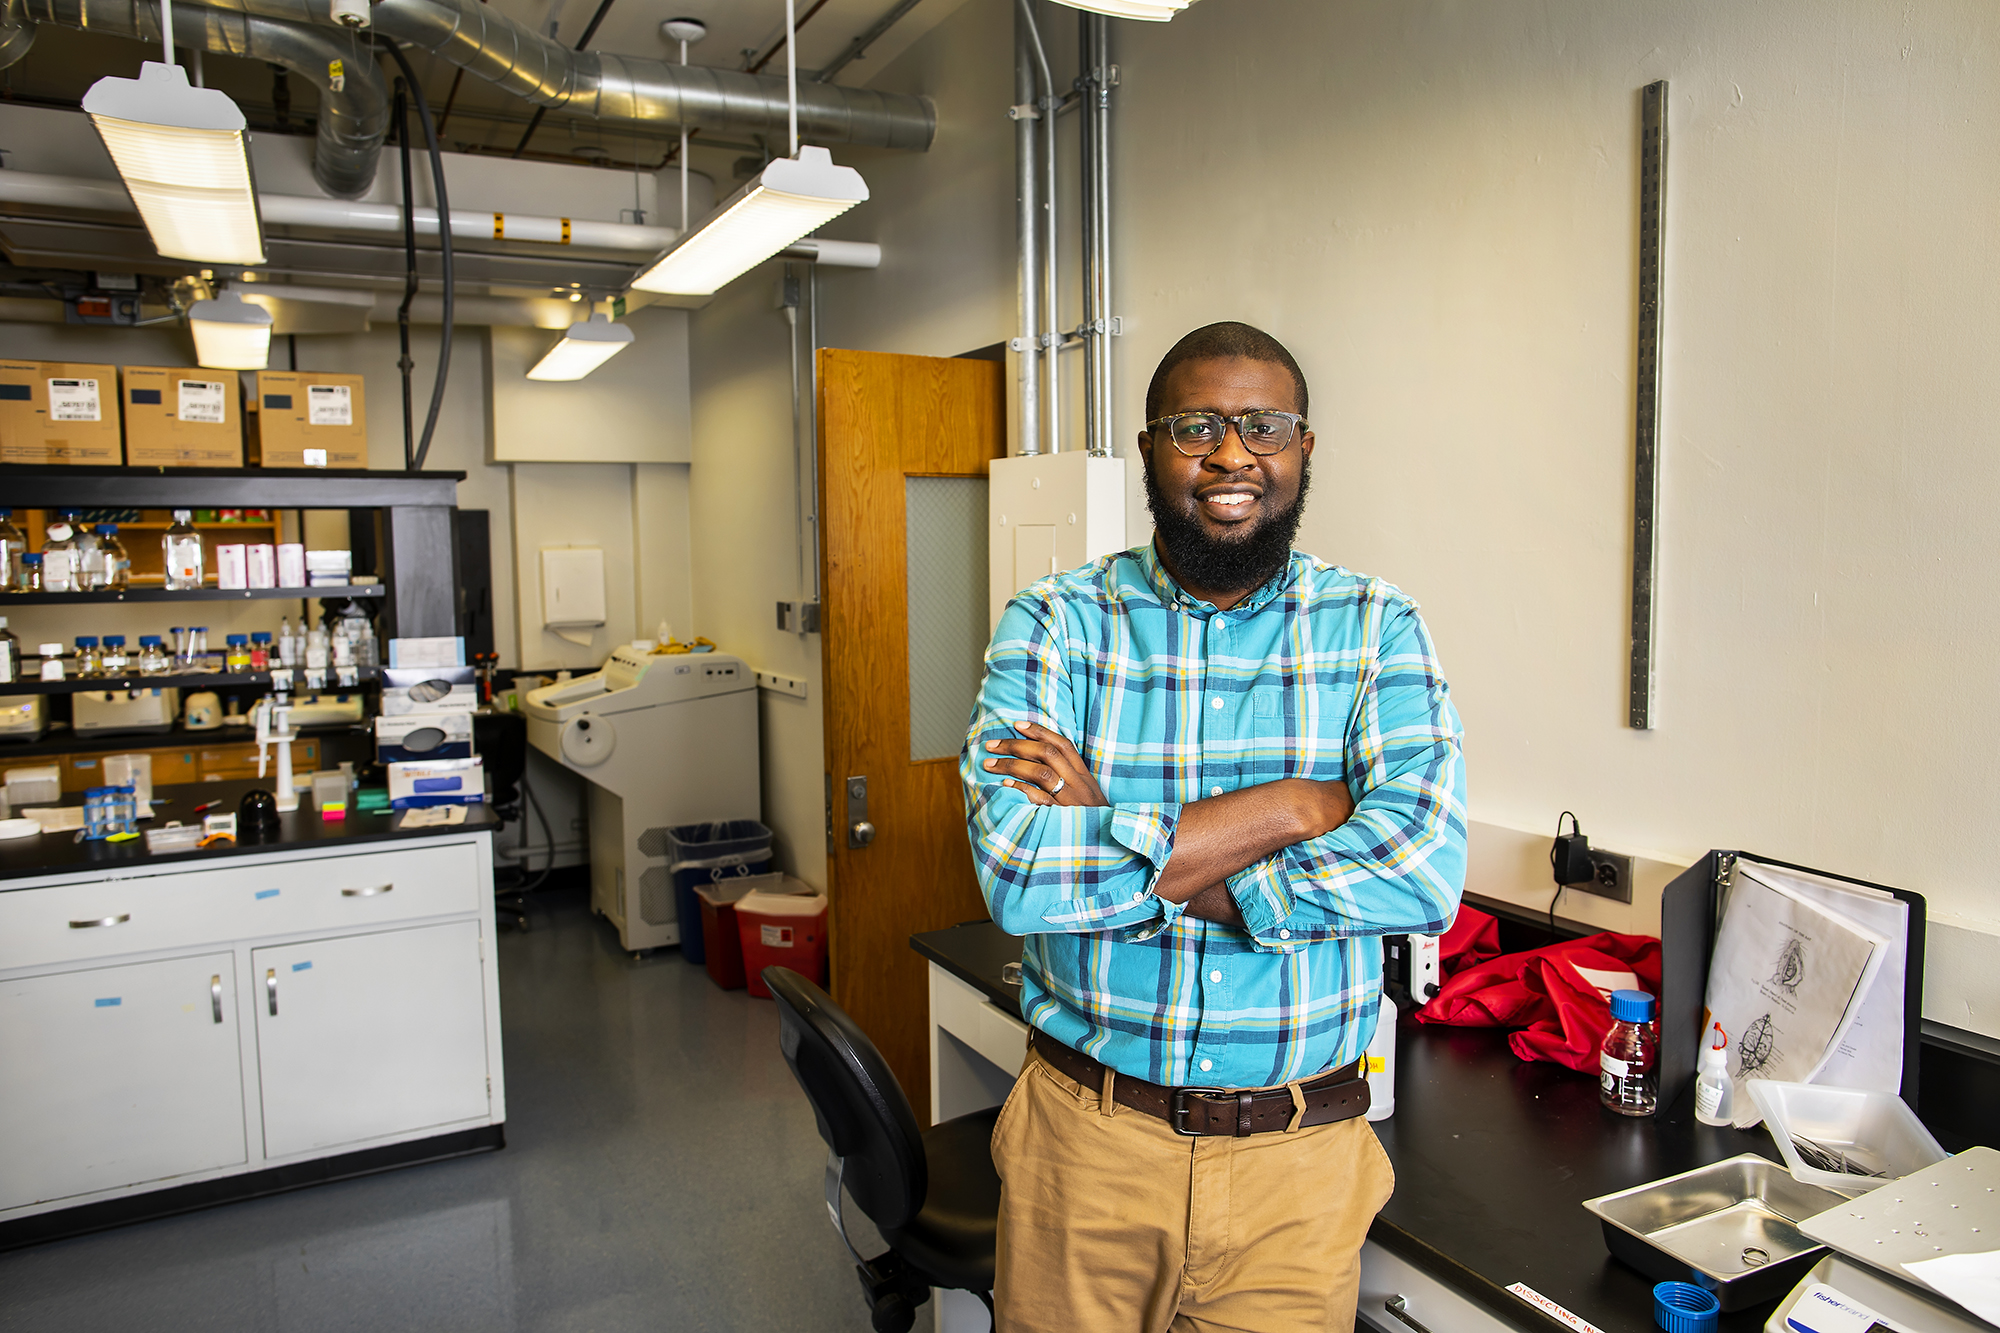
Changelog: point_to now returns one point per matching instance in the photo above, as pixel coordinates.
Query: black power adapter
(1569, 857)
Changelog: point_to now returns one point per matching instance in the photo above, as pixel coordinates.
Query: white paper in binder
(572, 591)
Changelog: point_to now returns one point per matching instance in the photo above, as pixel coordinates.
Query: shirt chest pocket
(1309, 725)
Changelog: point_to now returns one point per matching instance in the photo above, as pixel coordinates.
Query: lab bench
(184, 1029)
(1494, 1158)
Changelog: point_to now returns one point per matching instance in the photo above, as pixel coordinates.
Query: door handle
(215, 995)
(368, 892)
(271, 988)
(859, 831)
(1398, 1307)
(118, 920)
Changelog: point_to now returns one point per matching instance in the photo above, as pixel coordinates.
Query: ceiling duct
(353, 119)
(603, 86)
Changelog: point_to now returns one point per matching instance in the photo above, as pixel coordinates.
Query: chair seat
(951, 1238)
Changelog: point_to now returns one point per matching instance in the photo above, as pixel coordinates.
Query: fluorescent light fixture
(789, 199)
(230, 333)
(588, 345)
(1154, 11)
(185, 159)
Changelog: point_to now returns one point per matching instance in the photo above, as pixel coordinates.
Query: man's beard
(1227, 563)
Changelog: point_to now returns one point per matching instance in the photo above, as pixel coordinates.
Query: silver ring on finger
(1060, 784)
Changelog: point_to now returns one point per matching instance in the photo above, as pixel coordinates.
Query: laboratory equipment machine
(663, 740)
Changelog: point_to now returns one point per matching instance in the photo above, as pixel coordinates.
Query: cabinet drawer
(220, 762)
(175, 909)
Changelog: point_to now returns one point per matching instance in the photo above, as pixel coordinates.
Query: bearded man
(1204, 776)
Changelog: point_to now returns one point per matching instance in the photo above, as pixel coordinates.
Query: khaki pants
(1109, 1221)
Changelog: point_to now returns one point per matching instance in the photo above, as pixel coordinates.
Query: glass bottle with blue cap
(1628, 1060)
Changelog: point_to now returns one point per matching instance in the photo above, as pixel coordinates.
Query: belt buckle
(1177, 1107)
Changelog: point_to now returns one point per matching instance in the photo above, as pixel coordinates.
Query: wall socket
(1611, 876)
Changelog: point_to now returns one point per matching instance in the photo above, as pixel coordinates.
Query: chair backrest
(861, 1110)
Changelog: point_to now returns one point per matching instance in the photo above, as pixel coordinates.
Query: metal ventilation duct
(610, 87)
(352, 121)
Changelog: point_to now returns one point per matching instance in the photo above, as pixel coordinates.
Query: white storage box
(422, 737)
(408, 690)
(1876, 1131)
(439, 782)
(33, 786)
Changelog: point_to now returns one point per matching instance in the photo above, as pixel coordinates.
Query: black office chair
(501, 740)
(931, 1193)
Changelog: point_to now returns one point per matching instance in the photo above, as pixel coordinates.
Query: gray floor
(661, 1172)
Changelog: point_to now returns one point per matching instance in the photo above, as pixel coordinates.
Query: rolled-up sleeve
(1397, 865)
(1054, 869)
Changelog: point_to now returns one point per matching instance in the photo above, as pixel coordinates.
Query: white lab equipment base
(663, 741)
(242, 1014)
(1048, 513)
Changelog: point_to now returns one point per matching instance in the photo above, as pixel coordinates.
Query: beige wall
(1435, 205)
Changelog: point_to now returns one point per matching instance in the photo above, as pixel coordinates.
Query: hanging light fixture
(588, 344)
(788, 200)
(1155, 11)
(185, 159)
(230, 333)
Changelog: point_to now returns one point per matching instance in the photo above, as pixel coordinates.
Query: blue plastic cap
(86, 640)
(149, 640)
(1631, 1006)
(114, 641)
(107, 529)
(1682, 1307)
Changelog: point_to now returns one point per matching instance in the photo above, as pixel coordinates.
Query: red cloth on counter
(1472, 938)
(1556, 995)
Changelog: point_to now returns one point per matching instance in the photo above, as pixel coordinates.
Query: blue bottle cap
(261, 636)
(149, 640)
(86, 640)
(114, 641)
(31, 558)
(1682, 1307)
(1631, 1006)
(233, 639)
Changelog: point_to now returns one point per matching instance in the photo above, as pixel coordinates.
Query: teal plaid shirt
(1322, 673)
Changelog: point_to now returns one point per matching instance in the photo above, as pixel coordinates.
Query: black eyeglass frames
(1263, 430)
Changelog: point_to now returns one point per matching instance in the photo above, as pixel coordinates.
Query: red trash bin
(781, 930)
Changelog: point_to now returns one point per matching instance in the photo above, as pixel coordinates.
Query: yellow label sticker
(1376, 1064)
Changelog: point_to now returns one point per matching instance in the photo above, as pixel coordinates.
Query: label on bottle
(74, 400)
(1707, 1098)
(9, 666)
(202, 400)
(58, 574)
(1612, 1066)
(329, 405)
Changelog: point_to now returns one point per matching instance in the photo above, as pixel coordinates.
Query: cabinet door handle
(215, 995)
(368, 892)
(271, 988)
(1396, 1306)
(118, 920)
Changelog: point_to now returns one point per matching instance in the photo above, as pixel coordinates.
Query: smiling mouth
(1229, 505)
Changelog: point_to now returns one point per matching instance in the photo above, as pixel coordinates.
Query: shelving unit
(192, 680)
(156, 595)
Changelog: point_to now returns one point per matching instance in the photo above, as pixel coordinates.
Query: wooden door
(901, 437)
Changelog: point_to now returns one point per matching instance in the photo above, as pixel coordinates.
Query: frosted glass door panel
(945, 539)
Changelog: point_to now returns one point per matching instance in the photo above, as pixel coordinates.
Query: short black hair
(1214, 342)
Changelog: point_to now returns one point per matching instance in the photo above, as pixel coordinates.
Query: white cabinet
(365, 1036)
(171, 1024)
(117, 1076)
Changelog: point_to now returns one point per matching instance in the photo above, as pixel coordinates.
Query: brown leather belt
(1339, 1095)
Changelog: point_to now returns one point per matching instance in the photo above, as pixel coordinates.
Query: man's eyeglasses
(1199, 434)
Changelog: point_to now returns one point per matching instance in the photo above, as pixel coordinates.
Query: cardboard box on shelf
(59, 412)
(308, 419)
(178, 416)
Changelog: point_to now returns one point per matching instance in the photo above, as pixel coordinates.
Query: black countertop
(60, 853)
(1493, 1158)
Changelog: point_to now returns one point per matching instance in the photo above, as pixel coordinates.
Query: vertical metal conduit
(1097, 114)
(1028, 224)
(1052, 339)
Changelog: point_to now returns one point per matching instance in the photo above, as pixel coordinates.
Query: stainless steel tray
(1731, 1226)
(1952, 1207)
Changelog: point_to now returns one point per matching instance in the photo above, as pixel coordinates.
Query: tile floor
(661, 1173)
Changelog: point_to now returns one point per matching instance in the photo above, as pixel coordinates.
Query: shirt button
(1216, 704)
(1215, 975)
(1215, 791)
(1139, 897)
(1284, 934)
(1207, 1065)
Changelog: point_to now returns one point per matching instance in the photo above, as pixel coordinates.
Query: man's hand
(1044, 767)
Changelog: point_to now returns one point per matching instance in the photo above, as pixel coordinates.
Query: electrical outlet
(1611, 876)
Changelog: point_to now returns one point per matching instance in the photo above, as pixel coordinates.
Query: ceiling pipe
(353, 118)
(293, 210)
(627, 89)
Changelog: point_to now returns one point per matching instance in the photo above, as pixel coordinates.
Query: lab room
(679, 665)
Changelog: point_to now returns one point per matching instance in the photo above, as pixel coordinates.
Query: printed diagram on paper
(1807, 980)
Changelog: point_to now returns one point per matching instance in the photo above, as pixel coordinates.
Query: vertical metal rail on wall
(1646, 432)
